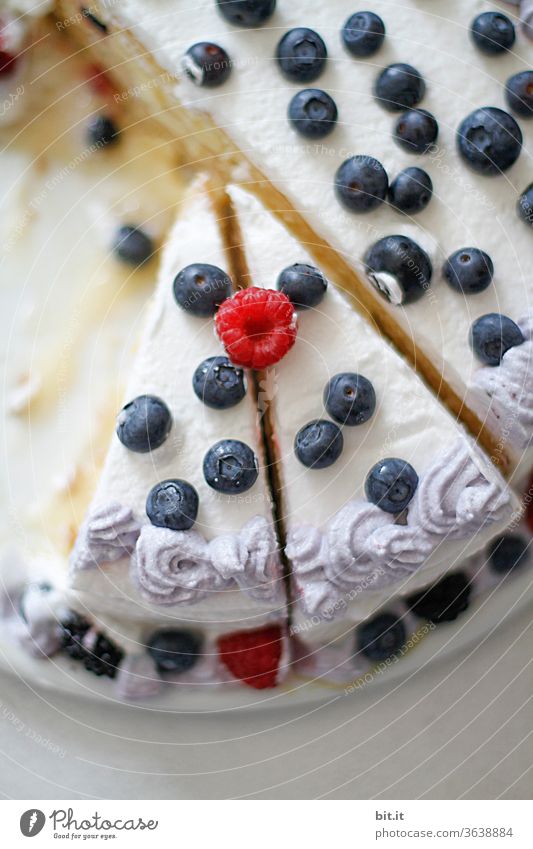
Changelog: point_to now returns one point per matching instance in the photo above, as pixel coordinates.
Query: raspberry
(257, 327)
(253, 656)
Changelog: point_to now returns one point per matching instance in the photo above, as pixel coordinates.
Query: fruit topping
(253, 657)
(350, 398)
(391, 484)
(230, 466)
(492, 335)
(219, 383)
(200, 288)
(144, 424)
(172, 504)
(319, 444)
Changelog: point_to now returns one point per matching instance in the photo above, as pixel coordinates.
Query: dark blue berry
(519, 93)
(489, 140)
(230, 466)
(399, 87)
(207, 64)
(102, 131)
(350, 398)
(313, 113)
(132, 245)
(172, 504)
(361, 183)
(416, 130)
(507, 553)
(363, 34)
(173, 650)
(525, 206)
(318, 444)
(492, 335)
(144, 424)
(304, 285)
(411, 191)
(246, 13)
(399, 269)
(97, 652)
(301, 55)
(493, 32)
(469, 270)
(381, 637)
(200, 288)
(219, 383)
(391, 484)
(444, 601)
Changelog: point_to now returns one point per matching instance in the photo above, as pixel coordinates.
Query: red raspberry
(253, 656)
(257, 327)
(8, 58)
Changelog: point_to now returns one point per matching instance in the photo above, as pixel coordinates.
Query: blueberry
(301, 55)
(399, 87)
(524, 207)
(219, 383)
(200, 288)
(519, 93)
(350, 398)
(318, 444)
(207, 64)
(363, 34)
(361, 183)
(172, 504)
(313, 113)
(102, 131)
(132, 245)
(399, 269)
(246, 13)
(492, 335)
(173, 650)
(444, 601)
(469, 270)
(391, 484)
(492, 32)
(411, 191)
(381, 637)
(489, 140)
(304, 285)
(230, 466)
(416, 130)
(144, 424)
(507, 553)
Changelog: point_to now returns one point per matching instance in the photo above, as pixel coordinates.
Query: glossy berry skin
(102, 131)
(411, 191)
(507, 553)
(524, 206)
(416, 131)
(399, 269)
(361, 183)
(399, 87)
(469, 270)
(207, 64)
(173, 650)
(303, 284)
(218, 383)
(132, 245)
(363, 34)
(230, 466)
(318, 444)
(246, 13)
(144, 424)
(350, 398)
(381, 637)
(172, 504)
(493, 33)
(444, 601)
(489, 140)
(313, 113)
(391, 484)
(199, 289)
(519, 93)
(301, 55)
(492, 335)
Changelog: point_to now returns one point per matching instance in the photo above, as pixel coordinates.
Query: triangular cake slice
(355, 539)
(300, 92)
